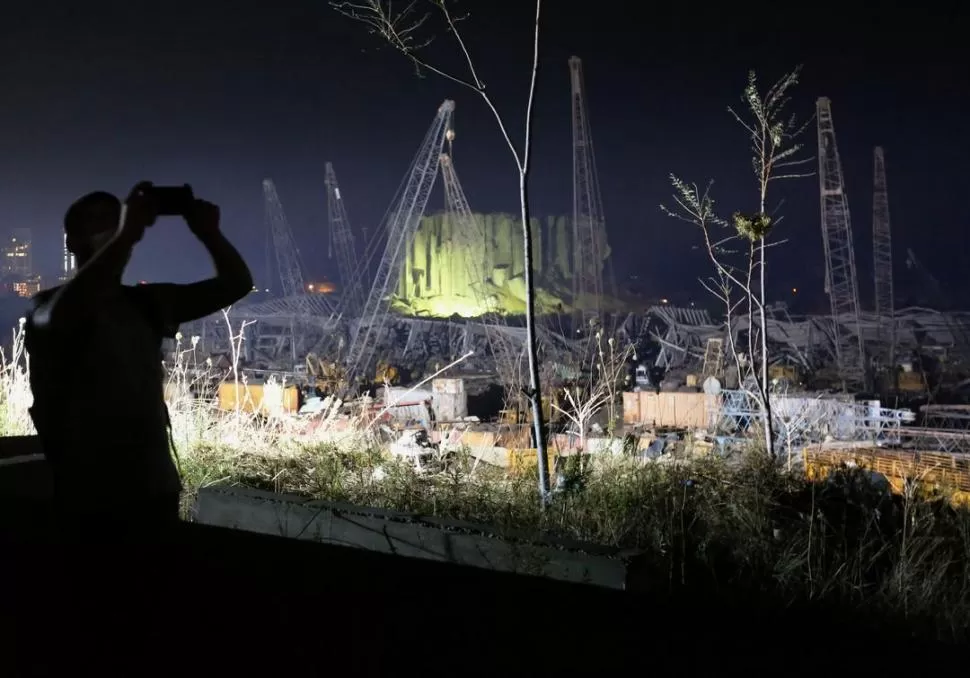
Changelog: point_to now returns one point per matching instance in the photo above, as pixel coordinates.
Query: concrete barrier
(23, 470)
(25, 490)
(411, 535)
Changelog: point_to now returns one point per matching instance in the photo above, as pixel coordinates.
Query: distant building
(16, 264)
(16, 255)
(70, 264)
(26, 288)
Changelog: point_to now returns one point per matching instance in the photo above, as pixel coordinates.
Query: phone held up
(173, 201)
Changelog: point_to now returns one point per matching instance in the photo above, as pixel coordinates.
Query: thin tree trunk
(766, 398)
(749, 289)
(532, 345)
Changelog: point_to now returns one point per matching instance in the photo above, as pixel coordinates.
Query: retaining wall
(411, 535)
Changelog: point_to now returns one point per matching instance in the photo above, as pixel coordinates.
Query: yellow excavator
(386, 373)
(327, 377)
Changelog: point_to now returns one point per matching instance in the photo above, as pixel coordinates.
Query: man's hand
(141, 212)
(203, 219)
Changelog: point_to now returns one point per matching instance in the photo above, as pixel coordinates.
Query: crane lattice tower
(401, 225)
(284, 246)
(841, 282)
(342, 241)
(469, 233)
(882, 255)
(588, 222)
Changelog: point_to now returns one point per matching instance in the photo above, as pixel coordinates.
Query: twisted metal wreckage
(685, 337)
(276, 332)
(806, 341)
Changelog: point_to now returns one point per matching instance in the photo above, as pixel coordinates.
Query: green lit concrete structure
(444, 275)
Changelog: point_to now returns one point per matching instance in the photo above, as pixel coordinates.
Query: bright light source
(794, 290)
(663, 301)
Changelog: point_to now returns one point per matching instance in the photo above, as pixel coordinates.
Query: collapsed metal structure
(809, 341)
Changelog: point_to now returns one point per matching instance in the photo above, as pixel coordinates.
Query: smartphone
(173, 200)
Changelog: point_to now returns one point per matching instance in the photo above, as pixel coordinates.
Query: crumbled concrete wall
(410, 535)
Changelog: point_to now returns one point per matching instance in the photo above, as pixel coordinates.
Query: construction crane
(882, 256)
(588, 221)
(401, 225)
(467, 233)
(287, 254)
(342, 240)
(841, 283)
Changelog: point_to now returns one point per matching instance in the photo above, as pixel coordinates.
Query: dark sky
(101, 94)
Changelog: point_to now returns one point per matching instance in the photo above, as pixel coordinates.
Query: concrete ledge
(19, 448)
(24, 474)
(411, 535)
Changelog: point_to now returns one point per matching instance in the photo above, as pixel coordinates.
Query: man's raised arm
(232, 281)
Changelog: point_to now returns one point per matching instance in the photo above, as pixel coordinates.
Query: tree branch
(400, 30)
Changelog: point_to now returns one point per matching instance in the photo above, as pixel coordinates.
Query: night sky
(98, 95)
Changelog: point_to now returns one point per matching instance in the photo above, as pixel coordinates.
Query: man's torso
(99, 400)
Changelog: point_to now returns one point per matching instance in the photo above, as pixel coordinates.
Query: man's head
(90, 223)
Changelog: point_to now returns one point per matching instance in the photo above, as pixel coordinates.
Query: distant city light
(321, 287)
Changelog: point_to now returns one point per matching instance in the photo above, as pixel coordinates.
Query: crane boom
(342, 239)
(588, 221)
(401, 226)
(468, 234)
(882, 254)
(287, 254)
(840, 272)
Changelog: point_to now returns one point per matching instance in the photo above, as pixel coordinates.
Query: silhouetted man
(96, 373)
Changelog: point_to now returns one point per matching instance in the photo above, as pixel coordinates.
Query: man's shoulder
(39, 300)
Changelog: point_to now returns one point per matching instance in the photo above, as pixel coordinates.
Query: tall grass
(701, 522)
(212, 441)
(15, 395)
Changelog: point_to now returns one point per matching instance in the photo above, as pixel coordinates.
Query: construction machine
(327, 377)
(386, 373)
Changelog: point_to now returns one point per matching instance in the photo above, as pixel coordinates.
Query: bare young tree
(406, 31)
(775, 155)
(598, 387)
(697, 207)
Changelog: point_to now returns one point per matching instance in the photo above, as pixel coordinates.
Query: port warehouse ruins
(436, 288)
